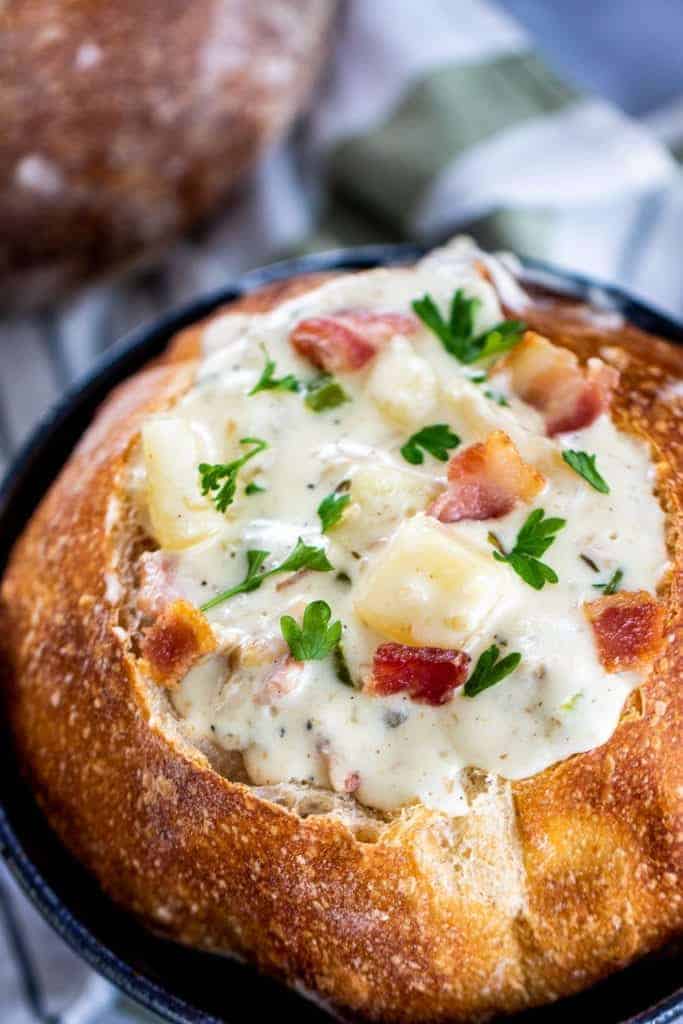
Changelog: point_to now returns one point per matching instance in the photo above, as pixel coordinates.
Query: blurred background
(151, 150)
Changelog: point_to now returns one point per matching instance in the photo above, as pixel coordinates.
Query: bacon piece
(549, 377)
(429, 674)
(485, 481)
(157, 587)
(179, 637)
(483, 271)
(352, 782)
(349, 339)
(628, 628)
(281, 681)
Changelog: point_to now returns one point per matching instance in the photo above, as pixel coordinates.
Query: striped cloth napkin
(432, 118)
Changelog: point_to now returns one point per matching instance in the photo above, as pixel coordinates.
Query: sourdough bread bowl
(125, 123)
(440, 907)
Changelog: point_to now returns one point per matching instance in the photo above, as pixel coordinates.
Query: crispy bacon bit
(157, 588)
(352, 782)
(485, 481)
(281, 681)
(349, 339)
(628, 628)
(179, 637)
(549, 377)
(429, 674)
(483, 271)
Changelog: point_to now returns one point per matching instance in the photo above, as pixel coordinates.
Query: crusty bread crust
(545, 887)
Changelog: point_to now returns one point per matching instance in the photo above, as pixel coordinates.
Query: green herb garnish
(221, 477)
(570, 703)
(252, 581)
(331, 509)
(302, 556)
(324, 392)
(612, 585)
(341, 666)
(315, 638)
(533, 540)
(584, 464)
(267, 382)
(436, 440)
(254, 488)
(457, 334)
(488, 671)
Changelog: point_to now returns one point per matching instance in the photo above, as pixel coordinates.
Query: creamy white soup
(413, 549)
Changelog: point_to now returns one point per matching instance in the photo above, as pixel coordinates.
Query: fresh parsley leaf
(457, 334)
(324, 392)
(252, 581)
(315, 638)
(488, 671)
(267, 382)
(254, 488)
(436, 440)
(429, 314)
(341, 666)
(463, 311)
(497, 340)
(612, 585)
(302, 556)
(221, 477)
(584, 464)
(533, 540)
(331, 509)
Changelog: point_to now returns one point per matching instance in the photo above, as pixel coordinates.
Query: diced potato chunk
(381, 496)
(431, 587)
(403, 385)
(179, 514)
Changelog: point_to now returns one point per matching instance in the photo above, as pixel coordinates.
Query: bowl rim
(19, 495)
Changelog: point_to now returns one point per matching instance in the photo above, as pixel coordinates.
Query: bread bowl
(125, 124)
(404, 836)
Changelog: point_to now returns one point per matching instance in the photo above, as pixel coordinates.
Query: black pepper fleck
(394, 718)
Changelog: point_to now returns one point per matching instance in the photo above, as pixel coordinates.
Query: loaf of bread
(349, 640)
(124, 123)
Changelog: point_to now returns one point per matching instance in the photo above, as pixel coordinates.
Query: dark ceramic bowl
(183, 985)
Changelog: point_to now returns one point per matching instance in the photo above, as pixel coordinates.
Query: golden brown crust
(546, 886)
